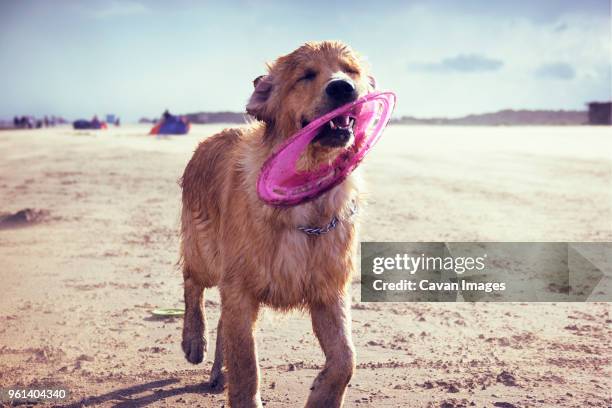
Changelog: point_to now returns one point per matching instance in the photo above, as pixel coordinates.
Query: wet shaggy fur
(253, 252)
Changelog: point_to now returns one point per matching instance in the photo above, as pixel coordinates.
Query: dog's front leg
(238, 314)
(332, 326)
(194, 322)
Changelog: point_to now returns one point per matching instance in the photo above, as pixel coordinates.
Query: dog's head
(305, 84)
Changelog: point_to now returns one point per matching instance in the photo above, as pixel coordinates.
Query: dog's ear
(372, 82)
(257, 105)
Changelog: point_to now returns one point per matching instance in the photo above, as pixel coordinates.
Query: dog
(257, 254)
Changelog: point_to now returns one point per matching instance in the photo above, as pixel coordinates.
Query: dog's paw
(195, 349)
(216, 382)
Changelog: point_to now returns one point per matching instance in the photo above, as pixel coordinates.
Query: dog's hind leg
(238, 314)
(217, 377)
(194, 324)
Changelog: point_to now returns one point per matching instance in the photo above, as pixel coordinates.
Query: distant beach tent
(95, 123)
(171, 125)
(600, 113)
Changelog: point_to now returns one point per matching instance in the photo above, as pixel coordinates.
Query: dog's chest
(305, 268)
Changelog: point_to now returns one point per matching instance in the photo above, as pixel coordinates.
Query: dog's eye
(308, 76)
(351, 71)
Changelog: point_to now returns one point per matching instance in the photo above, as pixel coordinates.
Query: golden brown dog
(255, 253)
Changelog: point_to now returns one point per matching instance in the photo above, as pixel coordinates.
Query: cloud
(463, 63)
(120, 9)
(536, 11)
(556, 70)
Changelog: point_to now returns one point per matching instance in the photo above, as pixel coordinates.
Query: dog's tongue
(342, 121)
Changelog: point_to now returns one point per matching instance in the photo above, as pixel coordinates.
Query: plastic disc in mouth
(280, 184)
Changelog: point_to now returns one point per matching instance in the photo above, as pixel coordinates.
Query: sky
(442, 57)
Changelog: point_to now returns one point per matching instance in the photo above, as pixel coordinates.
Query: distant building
(600, 113)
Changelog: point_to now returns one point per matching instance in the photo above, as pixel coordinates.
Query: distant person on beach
(25, 122)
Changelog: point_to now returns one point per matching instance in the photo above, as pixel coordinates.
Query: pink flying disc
(280, 184)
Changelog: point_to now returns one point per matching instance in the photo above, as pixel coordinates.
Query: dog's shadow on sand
(129, 397)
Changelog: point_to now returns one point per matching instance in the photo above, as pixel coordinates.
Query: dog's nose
(341, 90)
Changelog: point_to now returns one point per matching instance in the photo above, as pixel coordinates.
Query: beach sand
(78, 286)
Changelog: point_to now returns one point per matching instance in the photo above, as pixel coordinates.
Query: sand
(80, 278)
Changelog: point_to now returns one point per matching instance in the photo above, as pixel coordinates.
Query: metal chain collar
(316, 231)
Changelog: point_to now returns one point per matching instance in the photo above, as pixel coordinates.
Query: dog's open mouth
(338, 132)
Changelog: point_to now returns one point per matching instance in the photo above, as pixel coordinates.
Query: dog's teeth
(332, 124)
